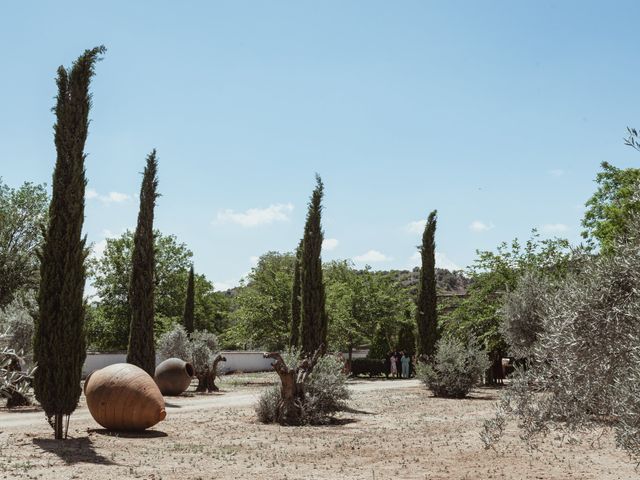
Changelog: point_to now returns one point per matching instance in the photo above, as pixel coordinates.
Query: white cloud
(556, 172)
(442, 261)
(98, 247)
(257, 216)
(253, 259)
(111, 197)
(223, 286)
(416, 226)
(479, 227)
(372, 256)
(330, 244)
(554, 228)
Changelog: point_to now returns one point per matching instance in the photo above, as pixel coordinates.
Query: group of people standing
(399, 364)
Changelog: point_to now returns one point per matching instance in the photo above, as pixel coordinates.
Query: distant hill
(446, 281)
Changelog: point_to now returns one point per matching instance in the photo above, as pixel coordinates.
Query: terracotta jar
(173, 376)
(124, 397)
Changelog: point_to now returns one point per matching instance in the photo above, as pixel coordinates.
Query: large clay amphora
(173, 376)
(124, 397)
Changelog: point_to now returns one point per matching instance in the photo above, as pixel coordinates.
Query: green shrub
(373, 367)
(455, 369)
(267, 406)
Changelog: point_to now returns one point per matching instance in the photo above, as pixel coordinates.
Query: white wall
(237, 361)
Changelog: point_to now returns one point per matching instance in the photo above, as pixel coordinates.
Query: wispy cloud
(556, 172)
(109, 198)
(554, 228)
(372, 256)
(416, 226)
(98, 248)
(254, 217)
(330, 244)
(479, 226)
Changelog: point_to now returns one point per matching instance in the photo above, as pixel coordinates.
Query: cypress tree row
(189, 305)
(296, 305)
(314, 316)
(141, 351)
(426, 315)
(59, 342)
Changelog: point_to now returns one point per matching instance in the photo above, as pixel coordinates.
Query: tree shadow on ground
(355, 410)
(338, 422)
(172, 405)
(142, 434)
(73, 450)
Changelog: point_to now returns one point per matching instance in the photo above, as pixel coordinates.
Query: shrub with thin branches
(584, 368)
(455, 369)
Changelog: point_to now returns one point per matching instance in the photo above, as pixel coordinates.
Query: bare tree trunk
(207, 377)
(292, 380)
(58, 426)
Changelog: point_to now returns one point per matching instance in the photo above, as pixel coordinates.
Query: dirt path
(183, 404)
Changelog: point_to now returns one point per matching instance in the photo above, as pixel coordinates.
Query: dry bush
(455, 369)
(325, 392)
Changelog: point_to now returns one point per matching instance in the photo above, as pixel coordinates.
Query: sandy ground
(396, 429)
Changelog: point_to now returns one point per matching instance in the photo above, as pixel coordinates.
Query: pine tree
(189, 304)
(141, 351)
(314, 317)
(296, 301)
(59, 343)
(426, 315)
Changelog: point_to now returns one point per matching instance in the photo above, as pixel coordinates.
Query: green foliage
(296, 301)
(407, 338)
(586, 359)
(455, 369)
(361, 303)
(174, 344)
(23, 213)
(314, 327)
(17, 324)
(611, 207)
(522, 312)
(189, 304)
(373, 367)
(109, 327)
(495, 273)
(141, 350)
(380, 346)
(59, 342)
(204, 346)
(426, 312)
(262, 309)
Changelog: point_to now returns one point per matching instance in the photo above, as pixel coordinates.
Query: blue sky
(496, 113)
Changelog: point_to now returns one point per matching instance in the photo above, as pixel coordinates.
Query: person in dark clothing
(398, 355)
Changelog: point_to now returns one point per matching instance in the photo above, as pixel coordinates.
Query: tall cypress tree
(426, 315)
(189, 304)
(141, 350)
(296, 305)
(314, 316)
(59, 343)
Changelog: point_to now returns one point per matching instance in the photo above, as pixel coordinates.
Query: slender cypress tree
(59, 343)
(314, 316)
(141, 350)
(426, 315)
(189, 304)
(296, 305)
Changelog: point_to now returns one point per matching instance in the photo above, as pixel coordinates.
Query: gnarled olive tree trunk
(292, 381)
(207, 377)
